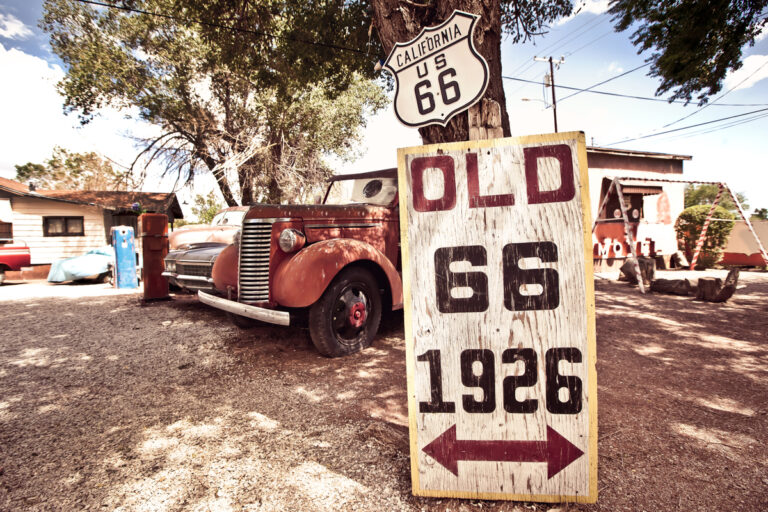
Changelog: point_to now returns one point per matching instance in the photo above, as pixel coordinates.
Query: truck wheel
(345, 319)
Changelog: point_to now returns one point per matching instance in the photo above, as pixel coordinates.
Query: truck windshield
(378, 191)
(233, 218)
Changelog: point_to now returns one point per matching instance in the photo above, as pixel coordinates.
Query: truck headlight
(291, 240)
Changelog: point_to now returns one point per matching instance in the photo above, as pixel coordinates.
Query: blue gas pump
(125, 257)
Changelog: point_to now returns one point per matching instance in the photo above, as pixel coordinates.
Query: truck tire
(347, 316)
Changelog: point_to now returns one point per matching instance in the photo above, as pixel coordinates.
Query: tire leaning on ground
(347, 316)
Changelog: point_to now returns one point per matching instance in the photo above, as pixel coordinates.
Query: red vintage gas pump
(154, 237)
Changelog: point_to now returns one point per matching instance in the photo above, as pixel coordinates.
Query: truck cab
(334, 266)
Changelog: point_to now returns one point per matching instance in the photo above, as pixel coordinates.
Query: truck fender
(224, 271)
(301, 280)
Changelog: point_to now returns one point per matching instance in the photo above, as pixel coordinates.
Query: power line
(568, 54)
(718, 98)
(564, 40)
(687, 127)
(619, 95)
(226, 27)
(725, 126)
(606, 81)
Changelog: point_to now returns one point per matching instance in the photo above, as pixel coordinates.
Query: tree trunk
(221, 180)
(400, 21)
(245, 175)
(274, 190)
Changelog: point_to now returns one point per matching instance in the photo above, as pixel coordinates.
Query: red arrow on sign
(556, 451)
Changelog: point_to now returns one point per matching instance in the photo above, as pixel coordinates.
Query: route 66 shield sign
(439, 73)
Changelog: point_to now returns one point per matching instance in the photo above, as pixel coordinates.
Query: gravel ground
(108, 404)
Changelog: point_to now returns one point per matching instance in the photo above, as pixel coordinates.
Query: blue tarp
(90, 264)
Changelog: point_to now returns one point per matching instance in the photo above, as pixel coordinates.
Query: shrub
(688, 227)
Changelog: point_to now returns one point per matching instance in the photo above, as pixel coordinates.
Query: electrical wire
(564, 40)
(686, 127)
(716, 129)
(226, 27)
(568, 54)
(619, 95)
(606, 81)
(716, 99)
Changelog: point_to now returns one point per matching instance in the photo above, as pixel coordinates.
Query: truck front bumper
(270, 316)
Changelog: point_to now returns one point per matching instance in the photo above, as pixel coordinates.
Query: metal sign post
(499, 318)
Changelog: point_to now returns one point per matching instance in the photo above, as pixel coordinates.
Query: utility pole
(552, 80)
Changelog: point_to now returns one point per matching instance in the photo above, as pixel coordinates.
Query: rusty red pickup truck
(333, 267)
(13, 257)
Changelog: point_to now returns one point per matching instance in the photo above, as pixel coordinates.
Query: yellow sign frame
(591, 359)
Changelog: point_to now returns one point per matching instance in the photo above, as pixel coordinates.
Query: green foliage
(75, 171)
(524, 19)
(689, 225)
(706, 194)
(692, 44)
(233, 95)
(206, 207)
(760, 214)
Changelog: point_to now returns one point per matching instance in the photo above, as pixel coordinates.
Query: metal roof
(631, 152)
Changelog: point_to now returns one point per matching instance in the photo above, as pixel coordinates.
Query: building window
(63, 226)
(6, 231)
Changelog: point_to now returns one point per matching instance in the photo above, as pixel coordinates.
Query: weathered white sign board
(499, 318)
(439, 73)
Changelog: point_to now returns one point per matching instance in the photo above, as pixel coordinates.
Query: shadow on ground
(106, 404)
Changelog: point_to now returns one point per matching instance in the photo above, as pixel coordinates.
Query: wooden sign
(499, 318)
(439, 73)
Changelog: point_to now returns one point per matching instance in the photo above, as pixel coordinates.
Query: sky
(734, 151)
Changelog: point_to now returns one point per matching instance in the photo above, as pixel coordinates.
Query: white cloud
(11, 27)
(615, 67)
(754, 65)
(33, 120)
(762, 35)
(584, 7)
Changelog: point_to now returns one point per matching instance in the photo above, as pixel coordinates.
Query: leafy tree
(760, 214)
(689, 225)
(75, 171)
(206, 207)
(256, 92)
(705, 194)
(693, 44)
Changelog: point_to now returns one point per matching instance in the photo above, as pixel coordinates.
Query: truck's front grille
(254, 260)
(188, 269)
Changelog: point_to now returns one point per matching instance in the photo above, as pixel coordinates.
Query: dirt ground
(109, 405)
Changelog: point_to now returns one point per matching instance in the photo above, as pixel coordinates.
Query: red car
(13, 257)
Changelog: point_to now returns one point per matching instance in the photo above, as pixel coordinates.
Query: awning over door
(646, 190)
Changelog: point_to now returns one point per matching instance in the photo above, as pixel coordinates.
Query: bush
(688, 227)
